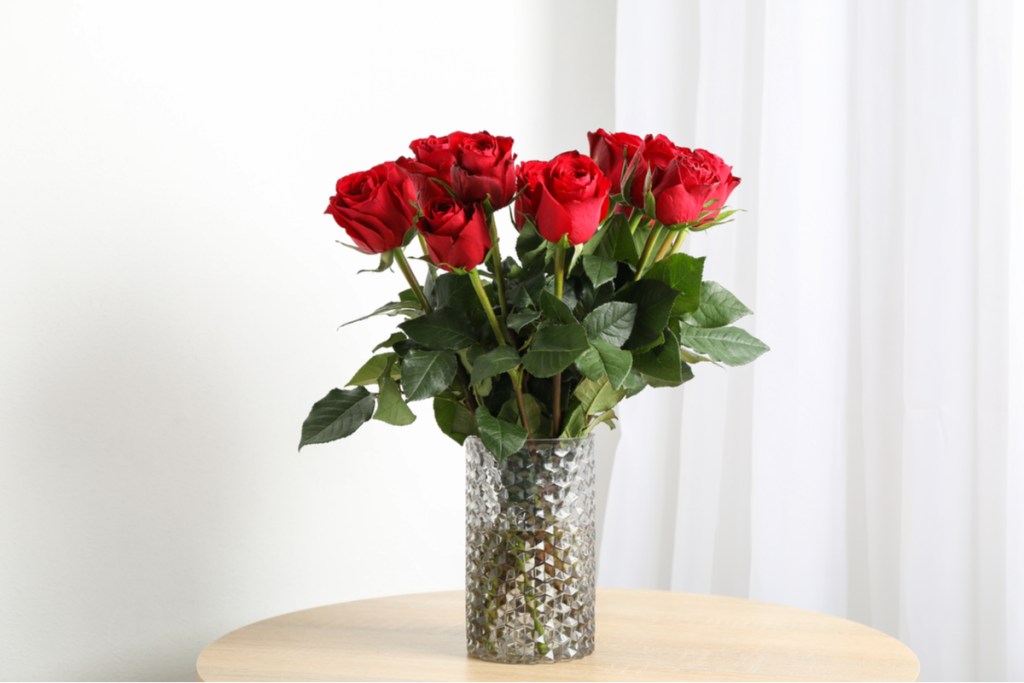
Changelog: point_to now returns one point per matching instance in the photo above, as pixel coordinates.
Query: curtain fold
(870, 465)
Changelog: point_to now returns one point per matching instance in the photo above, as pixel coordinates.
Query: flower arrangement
(598, 303)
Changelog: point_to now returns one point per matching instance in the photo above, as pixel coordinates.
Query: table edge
(600, 591)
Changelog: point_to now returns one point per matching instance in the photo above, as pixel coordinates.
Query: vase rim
(563, 439)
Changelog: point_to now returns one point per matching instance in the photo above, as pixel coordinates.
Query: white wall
(169, 292)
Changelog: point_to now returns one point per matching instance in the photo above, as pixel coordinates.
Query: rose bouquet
(523, 356)
(597, 304)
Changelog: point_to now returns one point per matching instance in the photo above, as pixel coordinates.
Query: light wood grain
(641, 635)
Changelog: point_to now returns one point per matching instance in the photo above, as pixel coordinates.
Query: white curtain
(872, 464)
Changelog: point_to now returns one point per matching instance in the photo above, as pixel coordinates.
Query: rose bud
(610, 150)
(528, 177)
(484, 167)
(572, 198)
(688, 183)
(456, 235)
(375, 207)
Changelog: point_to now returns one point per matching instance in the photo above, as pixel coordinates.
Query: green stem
(556, 405)
(559, 268)
(517, 378)
(635, 220)
(468, 393)
(478, 287)
(556, 381)
(680, 238)
(671, 244)
(426, 252)
(645, 257)
(410, 277)
(499, 276)
(528, 596)
(517, 386)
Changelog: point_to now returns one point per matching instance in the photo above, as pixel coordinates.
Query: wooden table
(641, 635)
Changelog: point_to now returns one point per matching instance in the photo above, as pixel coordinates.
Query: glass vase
(530, 551)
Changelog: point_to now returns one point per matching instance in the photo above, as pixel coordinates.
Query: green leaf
(534, 414)
(501, 438)
(682, 273)
(410, 235)
(390, 341)
(525, 288)
(406, 308)
(654, 301)
(608, 417)
(427, 373)
(604, 360)
(721, 218)
(600, 269)
(531, 248)
(576, 425)
(391, 408)
(689, 356)
(494, 362)
(591, 246)
(718, 307)
(371, 370)
(454, 291)
(509, 411)
(568, 294)
(662, 365)
(443, 329)
(729, 345)
(635, 382)
(619, 244)
(611, 322)
(521, 319)
(555, 347)
(650, 206)
(577, 253)
(336, 415)
(454, 419)
(597, 397)
(555, 309)
(386, 259)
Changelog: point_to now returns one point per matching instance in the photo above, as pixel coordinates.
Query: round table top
(640, 635)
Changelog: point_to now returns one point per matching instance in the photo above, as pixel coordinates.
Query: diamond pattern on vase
(530, 551)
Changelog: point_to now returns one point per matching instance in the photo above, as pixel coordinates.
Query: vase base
(549, 658)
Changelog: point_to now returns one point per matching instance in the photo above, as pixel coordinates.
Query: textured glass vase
(530, 551)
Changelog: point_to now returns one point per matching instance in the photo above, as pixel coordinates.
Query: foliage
(548, 343)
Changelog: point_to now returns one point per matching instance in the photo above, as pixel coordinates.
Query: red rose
(609, 150)
(572, 198)
(421, 176)
(435, 153)
(456, 235)
(656, 153)
(433, 161)
(659, 151)
(688, 183)
(484, 166)
(719, 195)
(375, 207)
(528, 177)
